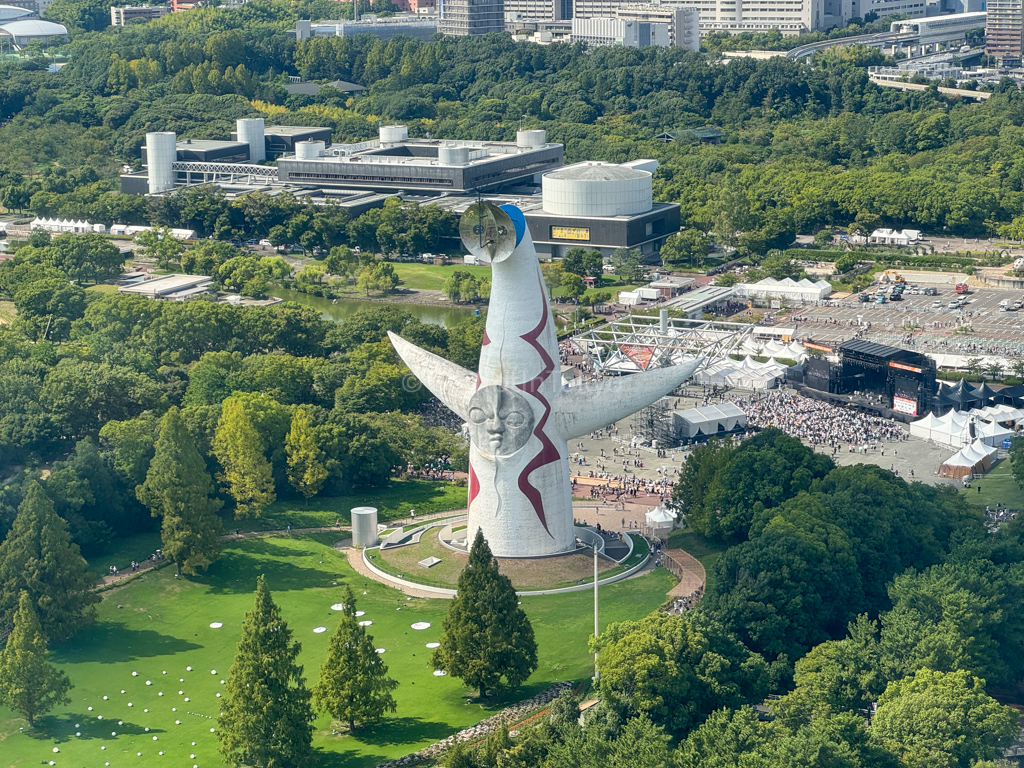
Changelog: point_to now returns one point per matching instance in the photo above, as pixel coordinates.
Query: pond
(345, 308)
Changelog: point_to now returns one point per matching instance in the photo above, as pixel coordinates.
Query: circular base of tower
(432, 564)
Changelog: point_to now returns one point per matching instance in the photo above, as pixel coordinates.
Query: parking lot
(837, 320)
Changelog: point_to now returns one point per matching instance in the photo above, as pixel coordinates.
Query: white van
(1004, 305)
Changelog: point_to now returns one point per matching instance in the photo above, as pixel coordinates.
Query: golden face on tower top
(487, 232)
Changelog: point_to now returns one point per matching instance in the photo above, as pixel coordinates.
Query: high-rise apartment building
(460, 18)
(1004, 31)
(683, 22)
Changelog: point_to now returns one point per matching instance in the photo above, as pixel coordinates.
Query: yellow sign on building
(570, 233)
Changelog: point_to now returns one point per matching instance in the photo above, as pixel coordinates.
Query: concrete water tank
(449, 155)
(161, 151)
(364, 526)
(597, 189)
(309, 150)
(250, 131)
(531, 139)
(391, 134)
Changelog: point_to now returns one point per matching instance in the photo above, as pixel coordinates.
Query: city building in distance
(419, 26)
(462, 18)
(1004, 32)
(625, 32)
(119, 16)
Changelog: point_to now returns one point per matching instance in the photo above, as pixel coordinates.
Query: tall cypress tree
(266, 720)
(354, 685)
(29, 684)
(179, 490)
(239, 449)
(486, 635)
(306, 470)
(38, 557)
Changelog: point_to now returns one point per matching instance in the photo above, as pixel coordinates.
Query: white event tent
(974, 459)
(787, 288)
(953, 429)
(660, 522)
(991, 432)
(709, 420)
(741, 374)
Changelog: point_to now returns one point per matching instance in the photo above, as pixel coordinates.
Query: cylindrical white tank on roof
(250, 131)
(364, 526)
(161, 151)
(452, 155)
(309, 150)
(597, 189)
(532, 138)
(391, 134)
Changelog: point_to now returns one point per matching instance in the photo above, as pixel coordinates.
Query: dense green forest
(807, 144)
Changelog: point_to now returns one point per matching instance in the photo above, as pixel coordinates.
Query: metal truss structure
(248, 173)
(638, 343)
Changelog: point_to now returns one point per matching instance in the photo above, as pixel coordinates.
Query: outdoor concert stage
(904, 380)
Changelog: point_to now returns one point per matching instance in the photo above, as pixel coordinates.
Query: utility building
(462, 18)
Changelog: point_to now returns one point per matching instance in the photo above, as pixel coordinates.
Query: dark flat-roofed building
(209, 151)
(395, 162)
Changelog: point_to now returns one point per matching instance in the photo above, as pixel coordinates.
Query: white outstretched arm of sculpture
(597, 404)
(452, 384)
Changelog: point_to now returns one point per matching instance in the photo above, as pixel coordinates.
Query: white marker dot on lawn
(135, 674)
(320, 630)
(161, 693)
(421, 625)
(164, 672)
(181, 693)
(146, 710)
(338, 607)
(99, 717)
(122, 690)
(130, 704)
(380, 650)
(365, 623)
(79, 733)
(120, 722)
(104, 698)
(211, 730)
(216, 625)
(433, 645)
(103, 747)
(439, 673)
(361, 613)
(186, 698)
(188, 669)
(113, 733)
(218, 695)
(55, 749)
(222, 682)
(90, 709)
(177, 722)
(174, 709)
(149, 682)
(213, 671)
(192, 756)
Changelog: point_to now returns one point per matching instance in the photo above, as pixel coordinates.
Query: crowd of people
(818, 422)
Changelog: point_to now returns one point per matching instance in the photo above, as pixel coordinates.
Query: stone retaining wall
(509, 716)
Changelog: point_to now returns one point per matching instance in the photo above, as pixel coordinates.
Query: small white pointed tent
(660, 522)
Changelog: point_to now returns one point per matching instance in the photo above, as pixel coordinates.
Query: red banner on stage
(640, 354)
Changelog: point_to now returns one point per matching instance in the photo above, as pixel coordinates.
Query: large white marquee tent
(953, 429)
(741, 374)
(709, 420)
(787, 288)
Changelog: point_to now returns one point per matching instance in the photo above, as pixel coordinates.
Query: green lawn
(430, 277)
(120, 552)
(706, 551)
(393, 502)
(997, 487)
(158, 626)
